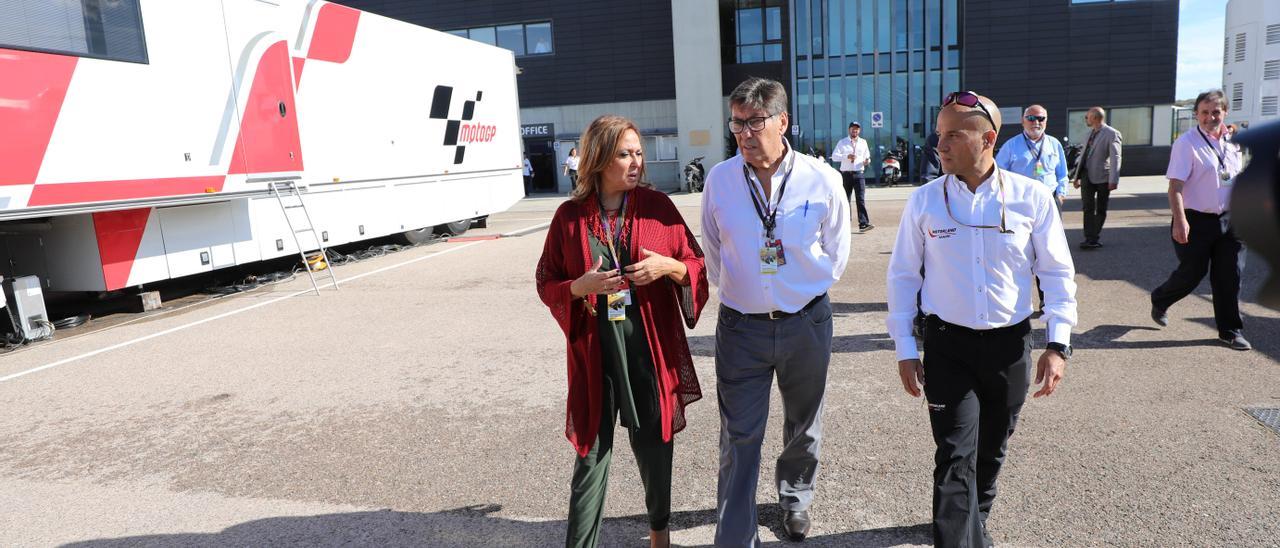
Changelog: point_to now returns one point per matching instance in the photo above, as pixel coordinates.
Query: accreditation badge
(771, 257)
(1040, 170)
(617, 305)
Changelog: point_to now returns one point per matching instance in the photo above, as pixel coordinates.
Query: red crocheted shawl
(653, 223)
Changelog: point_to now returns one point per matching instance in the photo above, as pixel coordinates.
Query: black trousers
(975, 384)
(856, 188)
(1213, 248)
(1095, 198)
(528, 184)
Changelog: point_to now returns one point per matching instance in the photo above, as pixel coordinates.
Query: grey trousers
(749, 352)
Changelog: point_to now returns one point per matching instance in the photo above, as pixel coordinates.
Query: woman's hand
(596, 282)
(653, 267)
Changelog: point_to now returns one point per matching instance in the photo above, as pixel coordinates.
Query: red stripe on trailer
(119, 235)
(335, 34)
(298, 63)
(32, 89)
(269, 140)
(105, 191)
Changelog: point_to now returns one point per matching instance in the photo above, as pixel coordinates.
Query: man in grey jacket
(1097, 174)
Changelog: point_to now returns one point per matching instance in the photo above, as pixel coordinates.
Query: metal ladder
(286, 189)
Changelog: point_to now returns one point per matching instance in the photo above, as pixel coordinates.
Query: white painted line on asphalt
(230, 313)
(527, 230)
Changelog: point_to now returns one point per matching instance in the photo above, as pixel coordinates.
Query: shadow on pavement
(473, 526)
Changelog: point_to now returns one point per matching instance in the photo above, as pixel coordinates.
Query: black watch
(1064, 349)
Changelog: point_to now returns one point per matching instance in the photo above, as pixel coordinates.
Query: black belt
(1020, 328)
(778, 314)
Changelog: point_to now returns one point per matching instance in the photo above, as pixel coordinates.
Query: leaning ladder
(289, 189)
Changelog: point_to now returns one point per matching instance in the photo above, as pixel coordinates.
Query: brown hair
(599, 146)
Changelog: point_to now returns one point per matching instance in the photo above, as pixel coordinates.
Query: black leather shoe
(796, 525)
(1160, 316)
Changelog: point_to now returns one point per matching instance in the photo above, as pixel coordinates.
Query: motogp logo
(456, 133)
(477, 133)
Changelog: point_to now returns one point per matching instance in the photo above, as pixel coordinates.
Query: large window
(1133, 123)
(759, 30)
(106, 29)
(523, 39)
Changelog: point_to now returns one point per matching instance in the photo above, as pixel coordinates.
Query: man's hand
(1049, 370)
(1062, 198)
(912, 373)
(1181, 230)
(1113, 186)
(1076, 183)
(850, 156)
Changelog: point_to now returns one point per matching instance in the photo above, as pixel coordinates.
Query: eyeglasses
(968, 99)
(946, 200)
(756, 124)
(1036, 118)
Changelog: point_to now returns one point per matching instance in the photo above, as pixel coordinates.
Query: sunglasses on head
(968, 99)
(1036, 118)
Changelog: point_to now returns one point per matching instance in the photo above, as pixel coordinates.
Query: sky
(1201, 24)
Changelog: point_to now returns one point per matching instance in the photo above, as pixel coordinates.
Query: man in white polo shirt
(1202, 169)
(775, 232)
(854, 157)
(971, 242)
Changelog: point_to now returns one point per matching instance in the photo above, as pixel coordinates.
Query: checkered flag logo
(441, 101)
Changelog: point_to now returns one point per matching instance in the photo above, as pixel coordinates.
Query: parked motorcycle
(1073, 154)
(891, 166)
(694, 175)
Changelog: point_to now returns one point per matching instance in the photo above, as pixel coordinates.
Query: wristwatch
(1063, 349)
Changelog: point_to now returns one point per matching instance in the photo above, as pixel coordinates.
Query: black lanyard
(1036, 151)
(1222, 163)
(610, 234)
(768, 217)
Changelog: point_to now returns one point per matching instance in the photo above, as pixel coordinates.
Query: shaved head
(967, 139)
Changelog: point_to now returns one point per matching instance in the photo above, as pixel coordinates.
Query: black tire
(413, 237)
(456, 228)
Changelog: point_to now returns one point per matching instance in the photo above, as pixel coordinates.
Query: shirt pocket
(1016, 246)
(804, 223)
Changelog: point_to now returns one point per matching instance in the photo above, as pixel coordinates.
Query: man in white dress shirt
(775, 231)
(982, 234)
(854, 157)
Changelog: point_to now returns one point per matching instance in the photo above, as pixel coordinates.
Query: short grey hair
(760, 93)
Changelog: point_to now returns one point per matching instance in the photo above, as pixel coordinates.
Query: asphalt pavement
(422, 404)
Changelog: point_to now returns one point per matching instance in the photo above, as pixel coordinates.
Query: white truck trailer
(139, 138)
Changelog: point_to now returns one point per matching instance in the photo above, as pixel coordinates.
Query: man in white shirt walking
(1202, 171)
(775, 231)
(854, 157)
(981, 235)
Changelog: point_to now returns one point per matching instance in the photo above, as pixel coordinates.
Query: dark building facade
(885, 63)
(1071, 56)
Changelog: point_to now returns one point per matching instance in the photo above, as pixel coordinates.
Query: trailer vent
(1270, 106)
(1241, 41)
(1271, 70)
(1237, 96)
(1273, 34)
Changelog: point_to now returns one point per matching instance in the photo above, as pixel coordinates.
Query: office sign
(538, 131)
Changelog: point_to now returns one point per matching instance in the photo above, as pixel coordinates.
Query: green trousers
(591, 478)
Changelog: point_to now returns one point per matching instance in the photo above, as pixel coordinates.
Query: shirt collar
(988, 185)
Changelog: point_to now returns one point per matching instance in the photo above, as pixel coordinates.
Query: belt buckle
(773, 315)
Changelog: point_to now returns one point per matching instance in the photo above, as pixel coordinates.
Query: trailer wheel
(456, 228)
(413, 237)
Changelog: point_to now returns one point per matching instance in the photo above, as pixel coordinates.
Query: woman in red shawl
(620, 270)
